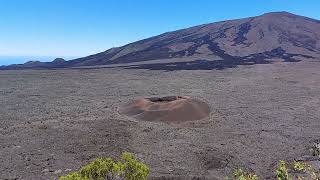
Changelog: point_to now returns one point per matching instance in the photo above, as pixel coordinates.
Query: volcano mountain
(254, 40)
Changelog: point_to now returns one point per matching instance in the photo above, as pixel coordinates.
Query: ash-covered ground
(54, 121)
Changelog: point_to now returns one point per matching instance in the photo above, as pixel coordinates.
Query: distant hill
(280, 35)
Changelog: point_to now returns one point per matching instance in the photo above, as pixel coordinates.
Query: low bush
(239, 174)
(297, 170)
(299, 166)
(282, 171)
(128, 168)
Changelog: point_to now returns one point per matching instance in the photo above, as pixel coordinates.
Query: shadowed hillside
(243, 41)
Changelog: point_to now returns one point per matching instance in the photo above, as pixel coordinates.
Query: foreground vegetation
(297, 170)
(128, 168)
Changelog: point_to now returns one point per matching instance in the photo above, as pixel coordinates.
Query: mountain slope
(272, 35)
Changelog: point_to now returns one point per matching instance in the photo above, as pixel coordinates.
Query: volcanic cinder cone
(171, 109)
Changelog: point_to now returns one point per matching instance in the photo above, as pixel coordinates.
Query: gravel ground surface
(54, 121)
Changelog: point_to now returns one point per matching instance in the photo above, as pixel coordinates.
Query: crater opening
(168, 109)
(165, 99)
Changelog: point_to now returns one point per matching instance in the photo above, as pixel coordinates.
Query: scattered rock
(68, 170)
(45, 170)
(58, 171)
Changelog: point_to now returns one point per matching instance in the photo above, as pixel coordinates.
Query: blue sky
(83, 27)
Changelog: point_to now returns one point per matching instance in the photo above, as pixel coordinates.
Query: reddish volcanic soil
(170, 109)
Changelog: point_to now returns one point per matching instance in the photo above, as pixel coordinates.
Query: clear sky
(83, 27)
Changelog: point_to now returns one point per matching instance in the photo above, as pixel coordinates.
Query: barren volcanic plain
(54, 121)
(254, 84)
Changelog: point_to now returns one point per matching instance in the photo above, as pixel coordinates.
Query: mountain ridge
(280, 35)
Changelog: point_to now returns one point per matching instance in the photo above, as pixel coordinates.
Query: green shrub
(100, 169)
(128, 168)
(299, 166)
(133, 169)
(239, 174)
(297, 170)
(282, 171)
(73, 176)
